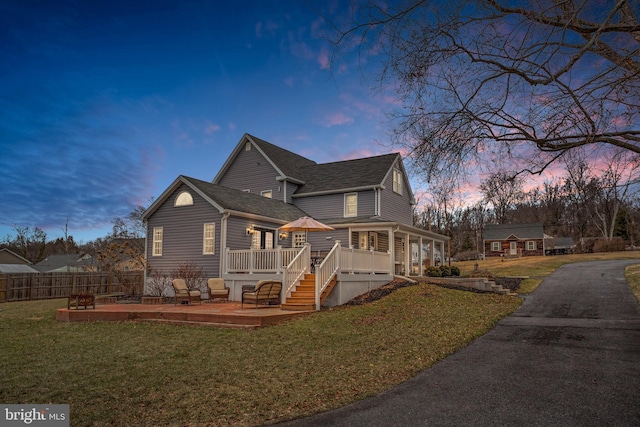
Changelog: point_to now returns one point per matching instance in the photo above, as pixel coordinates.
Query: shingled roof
(520, 231)
(346, 175)
(290, 164)
(240, 201)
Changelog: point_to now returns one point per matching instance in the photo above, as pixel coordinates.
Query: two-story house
(231, 227)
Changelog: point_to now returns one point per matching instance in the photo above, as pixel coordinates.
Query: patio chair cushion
(182, 292)
(217, 289)
(266, 292)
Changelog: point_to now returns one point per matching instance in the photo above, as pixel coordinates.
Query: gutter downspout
(146, 265)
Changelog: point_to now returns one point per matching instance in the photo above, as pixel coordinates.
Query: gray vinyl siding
(320, 243)
(291, 190)
(393, 206)
(183, 229)
(251, 171)
(237, 237)
(332, 205)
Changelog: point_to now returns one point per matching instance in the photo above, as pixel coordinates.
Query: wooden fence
(34, 286)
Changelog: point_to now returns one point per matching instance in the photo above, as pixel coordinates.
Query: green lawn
(128, 373)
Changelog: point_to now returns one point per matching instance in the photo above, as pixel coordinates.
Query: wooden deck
(220, 314)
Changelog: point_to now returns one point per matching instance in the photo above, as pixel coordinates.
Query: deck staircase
(304, 298)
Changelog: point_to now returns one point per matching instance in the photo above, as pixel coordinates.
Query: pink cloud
(323, 60)
(337, 119)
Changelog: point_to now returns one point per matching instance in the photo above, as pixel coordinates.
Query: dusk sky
(104, 103)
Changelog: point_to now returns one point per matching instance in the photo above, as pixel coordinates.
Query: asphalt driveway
(570, 356)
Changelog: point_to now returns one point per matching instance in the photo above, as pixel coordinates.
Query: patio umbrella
(306, 224)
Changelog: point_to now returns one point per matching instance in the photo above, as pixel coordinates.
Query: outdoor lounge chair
(183, 293)
(217, 289)
(266, 292)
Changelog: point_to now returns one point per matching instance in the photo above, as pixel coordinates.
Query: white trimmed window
(157, 241)
(351, 204)
(531, 245)
(298, 239)
(184, 199)
(266, 193)
(209, 239)
(495, 246)
(247, 146)
(367, 240)
(397, 181)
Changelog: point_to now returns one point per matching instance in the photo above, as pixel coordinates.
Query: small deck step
(298, 306)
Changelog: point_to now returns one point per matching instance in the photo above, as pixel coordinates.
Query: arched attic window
(184, 199)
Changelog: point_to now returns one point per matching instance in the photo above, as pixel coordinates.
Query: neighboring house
(558, 245)
(11, 262)
(514, 240)
(9, 257)
(16, 268)
(65, 263)
(231, 227)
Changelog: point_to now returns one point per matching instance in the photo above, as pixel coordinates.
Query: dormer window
(184, 199)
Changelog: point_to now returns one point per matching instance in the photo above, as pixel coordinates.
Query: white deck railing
(259, 261)
(363, 261)
(296, 269)
(326, 270)
(292, 263)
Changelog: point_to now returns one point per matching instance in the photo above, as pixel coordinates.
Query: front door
(513, 248)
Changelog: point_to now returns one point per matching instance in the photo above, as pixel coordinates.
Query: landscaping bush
(445, 271)
(455, 271)
(192, 274)
(434, 272)
(157, 284)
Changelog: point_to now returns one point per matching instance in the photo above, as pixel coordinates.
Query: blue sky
(105, 103)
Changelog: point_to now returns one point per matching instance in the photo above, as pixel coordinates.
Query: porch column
(432, 245)
(420, 258)
(407, 255)
(392, 250)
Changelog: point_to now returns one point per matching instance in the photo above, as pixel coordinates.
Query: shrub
(455, 271)
(192, 274)
(434, 272)
(614, 245)
(445, 270)
(157, 284)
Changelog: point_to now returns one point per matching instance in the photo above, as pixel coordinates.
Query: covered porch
(371, 257)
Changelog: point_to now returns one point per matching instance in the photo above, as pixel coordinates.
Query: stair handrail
(296, 269)
(327, 269)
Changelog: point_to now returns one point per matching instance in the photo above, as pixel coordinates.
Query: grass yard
(633, 277)
(537, 268)
(142, 374)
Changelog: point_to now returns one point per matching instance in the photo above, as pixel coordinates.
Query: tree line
(584, 205)
(125, 243)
